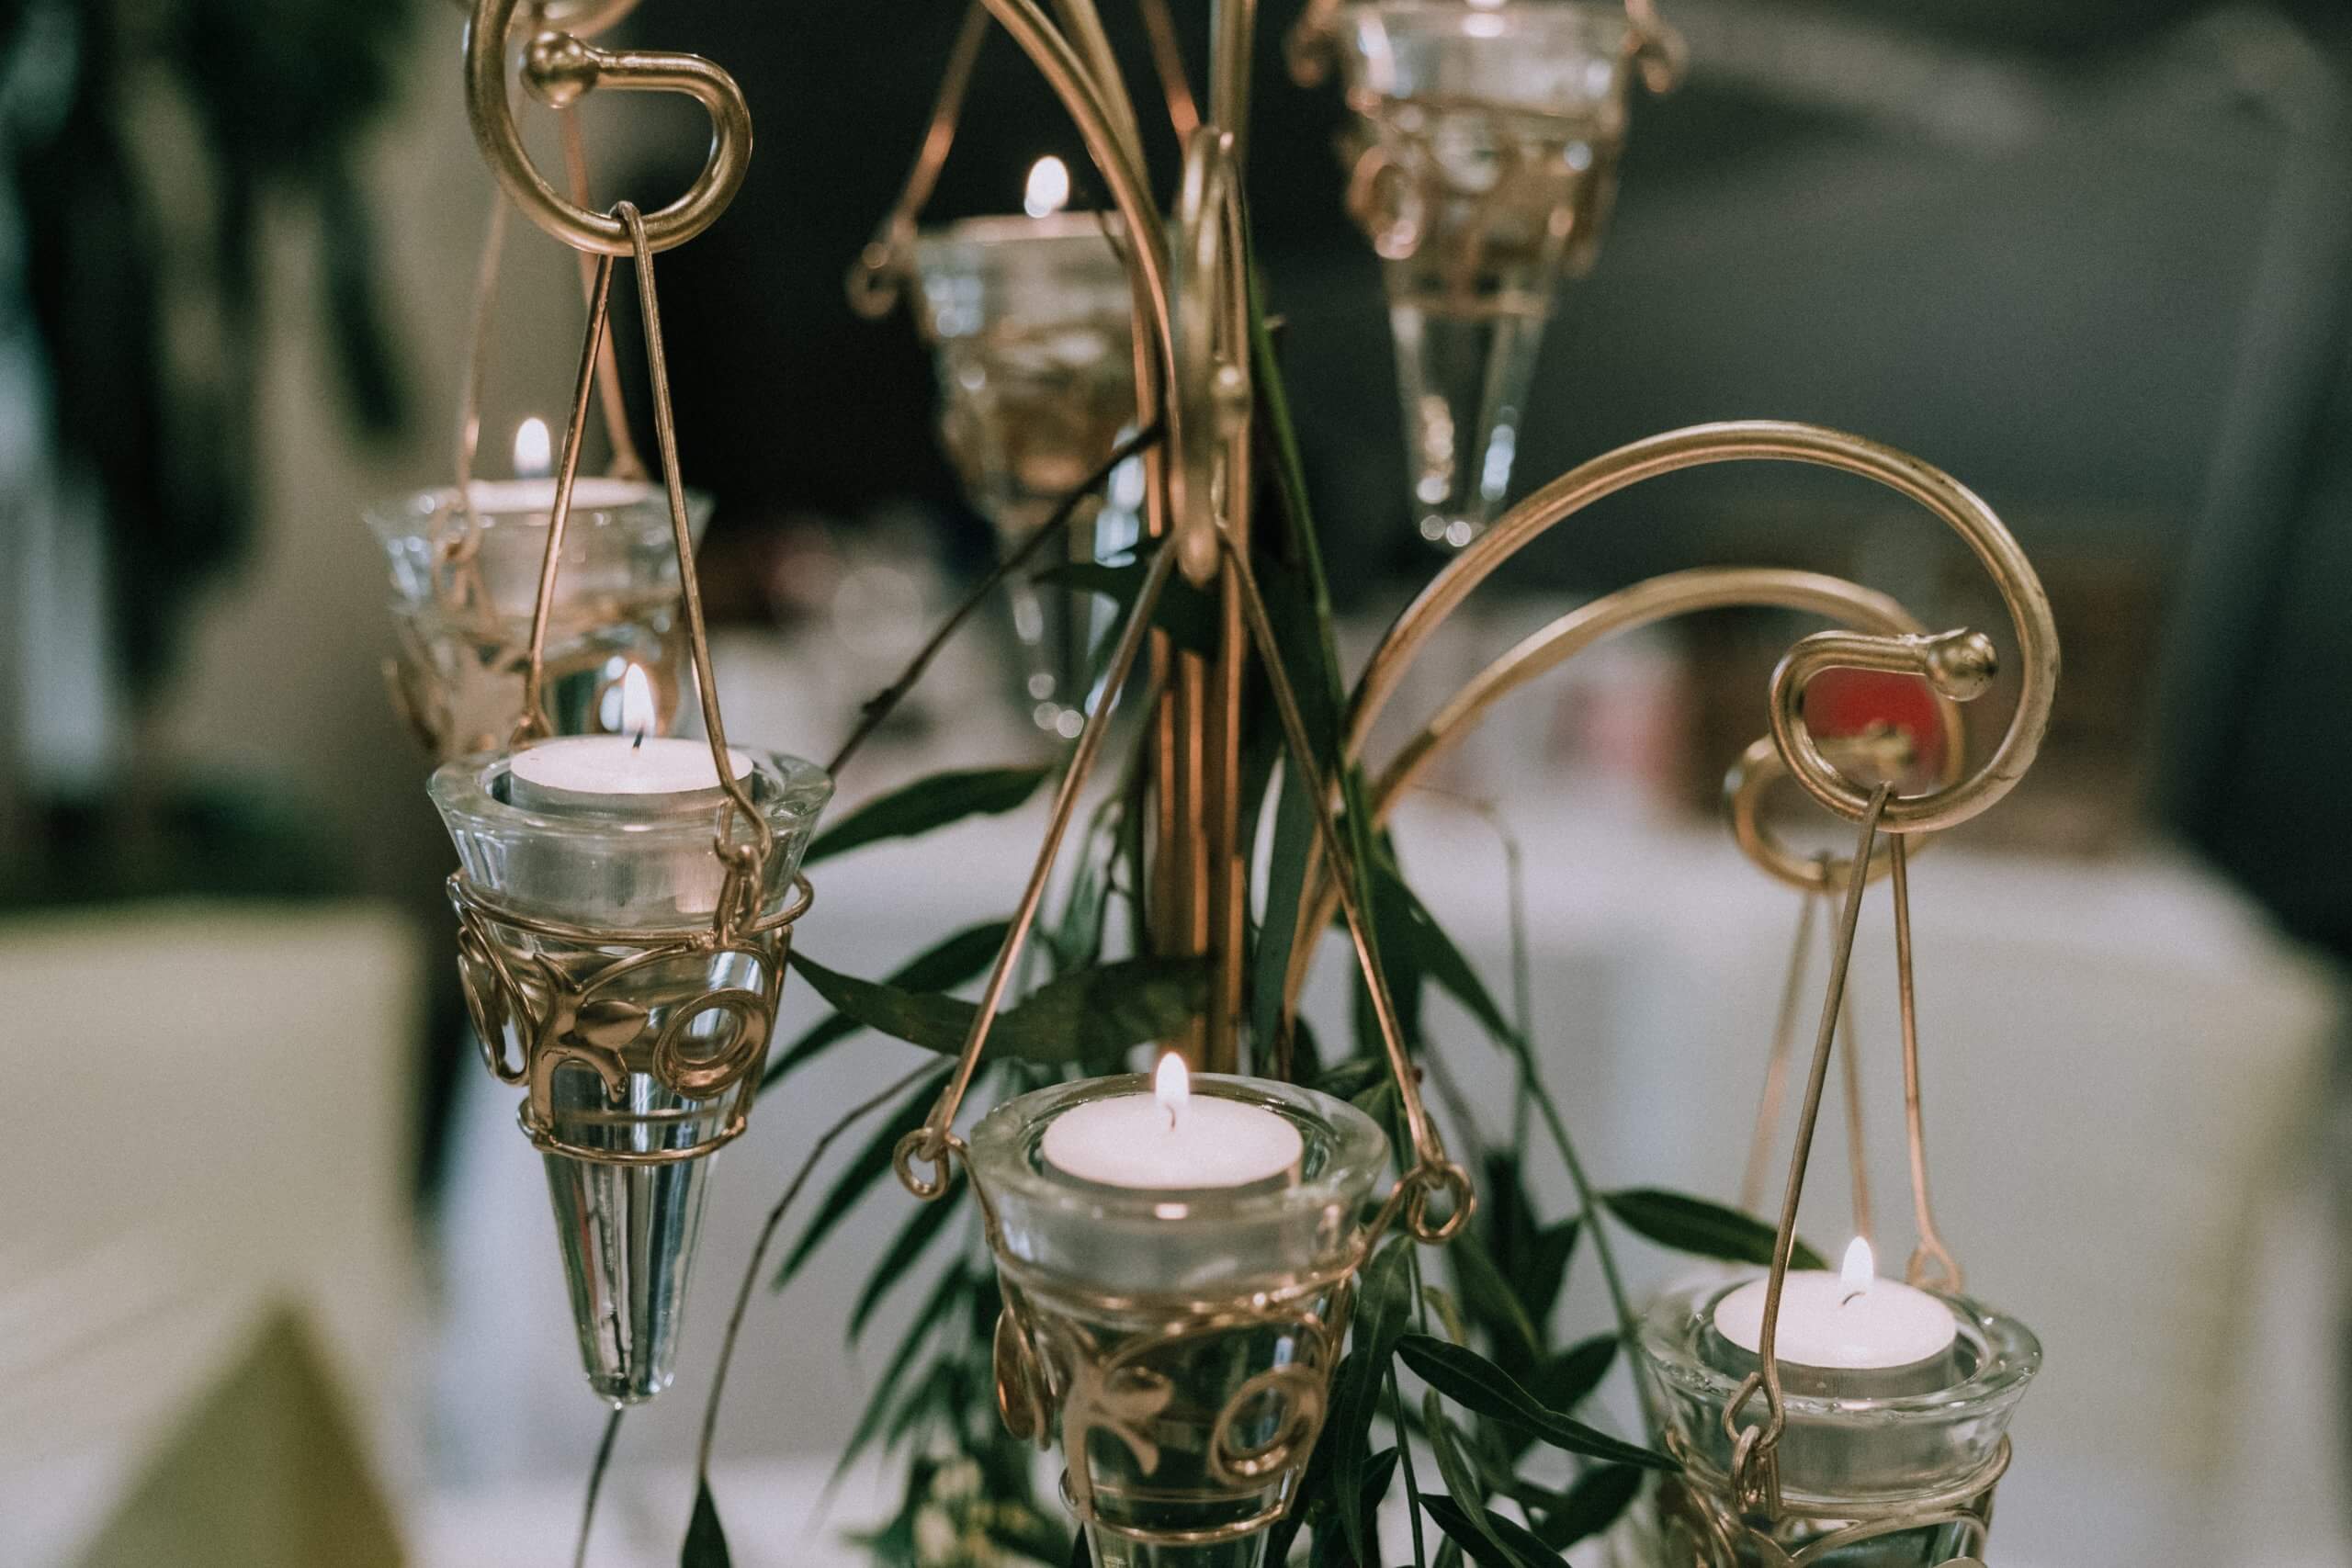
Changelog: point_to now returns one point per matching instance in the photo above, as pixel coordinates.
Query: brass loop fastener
(1957, 664)
(558, 68)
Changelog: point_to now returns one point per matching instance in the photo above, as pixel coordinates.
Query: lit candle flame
(1173, 1087)
(1861, 1268)
(638, 715)
(1047, 191)
(534, 455)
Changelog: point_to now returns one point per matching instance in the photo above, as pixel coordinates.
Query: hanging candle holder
(624, 902)
(465, 557)
(1484, 168)
(1028, 318)
(465, 567)
(1839, 1419)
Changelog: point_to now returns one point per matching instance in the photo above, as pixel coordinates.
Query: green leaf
(1478, 1386)
(1351, 1078)
(1086, 1016)
(938, 968)
(1694, 1225)
(1568, 1378)
(1532, 1256)
(868, 1166)
(1479, 1539)
(1386, 1301)
(1461, 1480)
(1404, 920)
(1492, 1302)
(1286, 886)
(1186, 613)
(706, 1544)
(1598, 1500)
(918, 1233)
(929, 802)
(942, 1298)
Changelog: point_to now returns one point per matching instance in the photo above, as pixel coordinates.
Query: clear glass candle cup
(462, 622)
(1930, 1456)
(1180, 1341)
(1031, 322)
(1485, 166)
(639, 1052)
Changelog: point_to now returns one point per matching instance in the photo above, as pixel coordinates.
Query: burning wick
(534, 456)
(1857, 1272)
(637, 707)
(1173, 1087)
(1047, 191)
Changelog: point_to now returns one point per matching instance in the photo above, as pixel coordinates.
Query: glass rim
(397, 517)
(788, 791)
(1356, 1154)
(2012, 1356)
(1067, 225)
(1451, 14)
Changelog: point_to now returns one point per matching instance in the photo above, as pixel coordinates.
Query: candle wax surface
(629, 772)
(1126, 1141)
(1825, 1322)
(588, 494)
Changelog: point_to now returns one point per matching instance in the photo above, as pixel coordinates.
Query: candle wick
(1852, 1294)
(638, 744)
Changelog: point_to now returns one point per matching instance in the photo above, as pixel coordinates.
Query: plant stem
(596, 1483)
(760, 1252)
(1404, 1464)
(879, 707)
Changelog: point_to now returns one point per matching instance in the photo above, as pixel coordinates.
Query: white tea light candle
(1850, 1322)
(632, 773)
(1171, 1139)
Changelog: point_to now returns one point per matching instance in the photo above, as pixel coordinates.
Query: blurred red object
(1851, 704)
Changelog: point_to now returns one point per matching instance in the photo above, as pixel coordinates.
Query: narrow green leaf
(1479, 1386)
(706, 1544)
(1087, 1016)
(1351, 1078)
(918, 1233)
(1694, 1225)
(1285, 883)
(942, 1298)
(1568, 1378)
(1598, 1500)
(1186, 613)
(1524, 1548)
(1404, 920)
(1491, 1299)
(866, 1168)
(944, 964)
(930, 802)
(1386, 1301)
(1449, 1312)
(1461, 1481)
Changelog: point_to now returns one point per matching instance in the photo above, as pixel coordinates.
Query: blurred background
(2094, 257)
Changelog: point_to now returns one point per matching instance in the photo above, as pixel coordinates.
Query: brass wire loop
(558, 68)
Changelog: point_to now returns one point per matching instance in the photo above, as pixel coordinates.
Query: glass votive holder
(464, 583)
(1884, 1480)
(601, 982)
(1487, 160)
(1180, 1341)
(1030, 323)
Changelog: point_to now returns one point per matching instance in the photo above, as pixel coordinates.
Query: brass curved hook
(1642, 604)
(1959, 664)
(558, 67)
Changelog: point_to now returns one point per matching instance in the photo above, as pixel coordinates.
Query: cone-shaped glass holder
(1030, 322)
(1488, 159)
(1179, 1341)
(1868, 1478)
(600, 982)
(463, 585)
